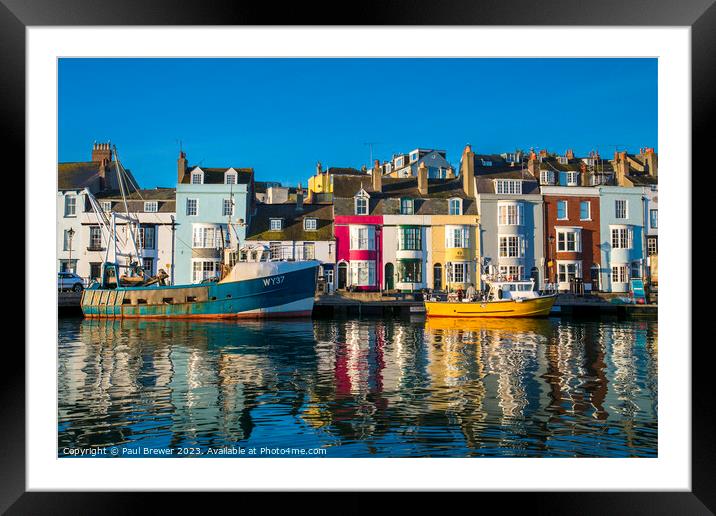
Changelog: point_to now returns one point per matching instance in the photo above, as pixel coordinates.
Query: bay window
(362, 238)
(511, 246)
(206, 237)
(457, 237)
(621, 238)
(510, 214)
(410, 271)
(204, 269)
(410, 239)
(569, 240)
(363, 273)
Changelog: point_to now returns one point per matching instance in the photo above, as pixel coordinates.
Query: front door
(342, 275)
(389, 285)
(437, 277)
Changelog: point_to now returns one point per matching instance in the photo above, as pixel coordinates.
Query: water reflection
(442, 387)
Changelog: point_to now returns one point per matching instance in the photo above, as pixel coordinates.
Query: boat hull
(536, 307)
(287, 292)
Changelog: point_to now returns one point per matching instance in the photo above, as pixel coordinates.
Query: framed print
(418, 253)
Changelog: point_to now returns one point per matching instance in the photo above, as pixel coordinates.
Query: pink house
(358, 251)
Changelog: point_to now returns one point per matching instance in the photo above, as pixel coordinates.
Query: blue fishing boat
(253, 287)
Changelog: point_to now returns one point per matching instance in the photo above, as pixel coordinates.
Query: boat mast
(120, 182)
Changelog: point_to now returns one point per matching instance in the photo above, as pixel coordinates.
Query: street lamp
(70, 234)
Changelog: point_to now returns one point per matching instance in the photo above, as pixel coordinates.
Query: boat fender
(499, 293)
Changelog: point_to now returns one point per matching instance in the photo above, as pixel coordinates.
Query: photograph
(358, 257)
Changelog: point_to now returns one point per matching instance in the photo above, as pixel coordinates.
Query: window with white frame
(106, 206)
(362, 238)
(512, 272)
(621, 238)
(585, 210)
(510, 214)
(67, 243)
(363, 273)
(151, 206)
(457, 237)
(275, 224)
(310, 224)
(653, 219)
(406, 206)
(508, 186)
(275, 250)
(95, 240)
(511, 246)
(192, 207)
(70, 206)
(619, 274)
(413, 157)
(562, 210)
(227, 208)
(568, 271)
(457, 272)
(399, 162)
(309, 251)
(230, 178)
(620, 208)
(361, 205)
(204, 269)
(569, 240)
(410, 238)
(145, 235)
(197, 178)
(206, 237)
(546, 177)
(455, 206)
(572, 178)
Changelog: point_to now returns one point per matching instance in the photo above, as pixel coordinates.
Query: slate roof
(387, 201)
(345, 171)
(486, 183)
(292, 226)
(643, 180)
(165, 197)
(77, 175)
(215, 176)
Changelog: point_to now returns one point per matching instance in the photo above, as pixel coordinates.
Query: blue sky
(281, 116)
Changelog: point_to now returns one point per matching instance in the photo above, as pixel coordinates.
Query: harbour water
(358, 388)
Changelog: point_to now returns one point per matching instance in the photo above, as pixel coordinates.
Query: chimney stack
(377, 178)
(181, 166)
(621, 167)
(467, 171)
(299, 198)
(583, 174)
(652, 162)
(423, 178)
(319, 168)
(101, 151)
(533, 165)
(569, 154)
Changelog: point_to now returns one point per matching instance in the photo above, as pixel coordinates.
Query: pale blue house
(623, 216)
(207, 199)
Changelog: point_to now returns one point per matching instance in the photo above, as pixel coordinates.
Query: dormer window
(546, 177)
(197, 177)
(275, 224)
(151, 206)
(388, 168)
(230, 177)
(406, 206)
(361, 202)
(508, 186)
(107, 206)
(414, 157)
(486, 163)
(455, 206)
(310, 224)
(572, 178)
(562, 160)
(399, 162)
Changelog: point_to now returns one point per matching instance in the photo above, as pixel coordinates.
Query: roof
(215, 176)
(642, 180)
(345, 171)
(77, 175)
(262, 186)
(292, 226)
(165, 198)
(486, 182)
(387, 201)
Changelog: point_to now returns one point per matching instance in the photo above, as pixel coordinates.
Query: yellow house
(455, 252)
(320, 185)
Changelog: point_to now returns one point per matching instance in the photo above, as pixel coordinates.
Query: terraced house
(511, 216)
(297, 231)
(207, 199)
(405, 234)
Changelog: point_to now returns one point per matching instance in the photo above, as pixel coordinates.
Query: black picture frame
(16, 15)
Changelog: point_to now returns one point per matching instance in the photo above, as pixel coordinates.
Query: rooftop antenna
(370, 146)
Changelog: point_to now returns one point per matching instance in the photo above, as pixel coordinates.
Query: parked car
(69, 281)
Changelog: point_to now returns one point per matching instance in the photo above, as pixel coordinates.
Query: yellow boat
(503, 299)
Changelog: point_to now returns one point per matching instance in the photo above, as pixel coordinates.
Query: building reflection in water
(441, 387)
